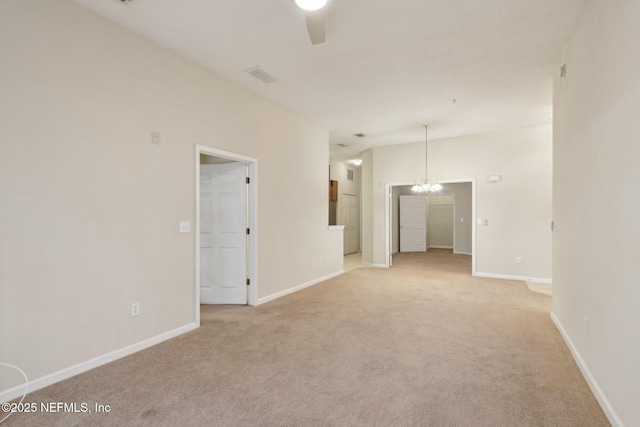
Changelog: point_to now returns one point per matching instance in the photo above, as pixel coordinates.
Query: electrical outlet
(135, 309)
(185, 227)
(155, 138)
(518, 260)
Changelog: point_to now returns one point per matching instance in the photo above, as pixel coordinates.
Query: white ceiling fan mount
(316, 17)
(311, 5)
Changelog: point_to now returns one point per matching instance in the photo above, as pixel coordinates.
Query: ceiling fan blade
(317, 25)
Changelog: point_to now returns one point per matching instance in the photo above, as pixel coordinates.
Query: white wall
(596, 248)
(392, 164)
(366, 225)
(518, 208)
(339, 173)
(90, 208)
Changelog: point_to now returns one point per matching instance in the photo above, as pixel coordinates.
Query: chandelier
(426, 186)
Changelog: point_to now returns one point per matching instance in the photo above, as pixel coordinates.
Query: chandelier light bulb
(311, 5)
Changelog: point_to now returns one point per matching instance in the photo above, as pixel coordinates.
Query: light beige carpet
(421, 344)
(543, 288)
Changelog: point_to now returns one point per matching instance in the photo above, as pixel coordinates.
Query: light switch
(485, 222)
(479, 221)
(185, 227)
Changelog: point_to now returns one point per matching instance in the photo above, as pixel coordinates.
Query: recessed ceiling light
(357, 162)
(311, 4)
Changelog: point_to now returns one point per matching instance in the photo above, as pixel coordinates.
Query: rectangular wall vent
(350, 174)
(261, 75)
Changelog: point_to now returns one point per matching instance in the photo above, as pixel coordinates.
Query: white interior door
(223, 233)
(350, 217)
(413, 224)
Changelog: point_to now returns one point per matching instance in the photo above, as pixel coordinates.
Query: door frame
(388, 191)
(252, 215)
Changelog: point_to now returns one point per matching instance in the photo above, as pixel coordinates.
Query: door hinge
(248, 180)
(248, 281)
(248, 231)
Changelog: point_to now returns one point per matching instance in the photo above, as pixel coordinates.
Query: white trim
(440, 247)
(63, 374)
(224, 154)
(606, 406)
(510, 277)
(370, 264)
(461, 253)
(336, 227)
(252, 206)
(298, 288)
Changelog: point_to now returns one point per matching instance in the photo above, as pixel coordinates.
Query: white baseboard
(63, 374)
(606, 406)
(462, 253)
(298, 288)
(440, 247)
(509, 277)
(370, 264)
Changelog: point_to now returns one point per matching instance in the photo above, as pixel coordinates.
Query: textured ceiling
(386, 68)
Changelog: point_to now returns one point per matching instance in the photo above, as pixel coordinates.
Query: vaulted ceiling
(387, 67)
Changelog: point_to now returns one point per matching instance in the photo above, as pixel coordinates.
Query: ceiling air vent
(261, 75)
(359, 135)
(342, 145)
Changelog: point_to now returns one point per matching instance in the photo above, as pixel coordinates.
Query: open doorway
(441, 226)
(461, 220)
(226, 228)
